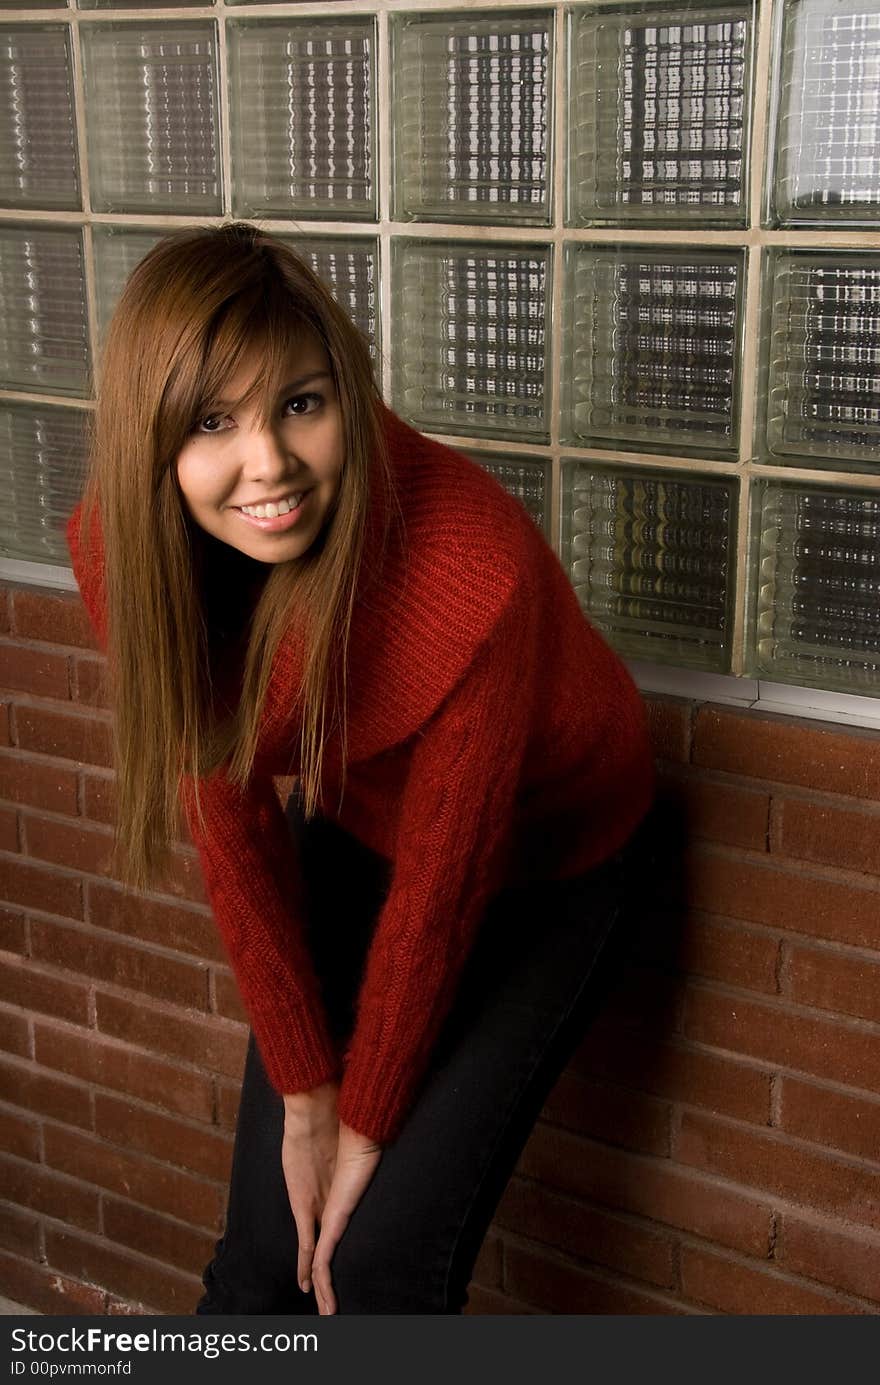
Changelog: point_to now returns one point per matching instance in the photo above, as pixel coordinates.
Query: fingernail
(307, 1284)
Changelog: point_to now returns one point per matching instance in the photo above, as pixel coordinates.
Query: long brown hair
(199, 303)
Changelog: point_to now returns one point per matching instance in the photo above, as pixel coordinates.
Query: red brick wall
(714, 1145)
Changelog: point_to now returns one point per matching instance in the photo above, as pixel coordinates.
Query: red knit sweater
(493, 738)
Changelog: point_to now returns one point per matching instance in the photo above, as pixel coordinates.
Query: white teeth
(272, 511)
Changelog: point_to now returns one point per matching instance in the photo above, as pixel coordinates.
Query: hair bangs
(256, 330)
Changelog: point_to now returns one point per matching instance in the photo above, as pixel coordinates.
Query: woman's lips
(278, 523)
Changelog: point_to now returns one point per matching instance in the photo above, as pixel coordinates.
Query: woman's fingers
(332, 1227)
(305, 1232)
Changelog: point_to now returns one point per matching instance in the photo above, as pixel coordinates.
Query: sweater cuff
(298, 1057)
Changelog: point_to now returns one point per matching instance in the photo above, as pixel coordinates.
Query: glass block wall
(626, 256)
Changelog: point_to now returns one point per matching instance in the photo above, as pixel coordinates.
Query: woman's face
(230, 460)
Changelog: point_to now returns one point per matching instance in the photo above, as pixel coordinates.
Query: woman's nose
(262, 452)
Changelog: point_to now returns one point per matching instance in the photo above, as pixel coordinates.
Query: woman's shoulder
(466, 534)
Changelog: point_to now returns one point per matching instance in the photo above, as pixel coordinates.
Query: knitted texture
(494, 738)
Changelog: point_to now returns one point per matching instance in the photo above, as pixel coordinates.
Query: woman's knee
(387, 1276)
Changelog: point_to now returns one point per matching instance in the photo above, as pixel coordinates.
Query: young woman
(289, 580)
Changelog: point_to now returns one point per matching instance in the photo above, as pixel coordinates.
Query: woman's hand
(356, 1161)
(308, 1158)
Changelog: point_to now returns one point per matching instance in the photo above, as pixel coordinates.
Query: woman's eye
(210, 424)
(303, 399)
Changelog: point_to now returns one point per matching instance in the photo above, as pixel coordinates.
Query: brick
(734, 1287)
(33, 886)
(99, 796)
(65, 734)
(587, 1233)
(487, 1267)
(25, 1084)
(658, 1189)
(844, 1257)
(483, 1302)
(13, 931)
(75, 845)
(162, 1238)
(89, 682)
(846, 1121)
(788, 750)
(609, 1113)
(558, 1287)
(123, 1272)
(207, 1042)
(52, 617)
(9, 831)
(227, 997)
(19, 1232)
(117, 1307)
(25, 983)
(642, 998)
(105, 958)
(108, 1063)
(5, 733)
(29, 669)
(846, 983)
(133, 1175)
(779, 1034)
(6, 608)
(19, 1135)
(760, 891)
(702, 944)
(47, 1291)
(199, 1148)
(718, 809)
(15, 1034)
(228, 1098)
(679, 1072)
(181, 876)
(37, 783)
(829, 834)
(173, 926)
(42, 1190)
(669, 721)
(771, 1162)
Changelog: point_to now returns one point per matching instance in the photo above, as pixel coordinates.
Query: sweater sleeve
(249, 867)
(450, 856)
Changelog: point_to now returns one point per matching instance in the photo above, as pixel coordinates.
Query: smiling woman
(267, 459)
(471, 759)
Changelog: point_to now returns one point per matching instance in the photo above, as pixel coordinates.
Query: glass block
(659, 109)
(825, 156)
(349, 266)
(815, 586)
(38, 159)
(140, 4)
(472, 102)
(651, 348)
(117, 250)
(527, 479)
(651, 555)
(303, 117)
(42, 466)
(44, 342)
(152, 116)
(470, 321)
(820, 395)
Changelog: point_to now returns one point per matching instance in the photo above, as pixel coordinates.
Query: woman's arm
(251, 878)
(453, 830)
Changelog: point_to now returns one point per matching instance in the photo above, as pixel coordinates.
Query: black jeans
(542, 963)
